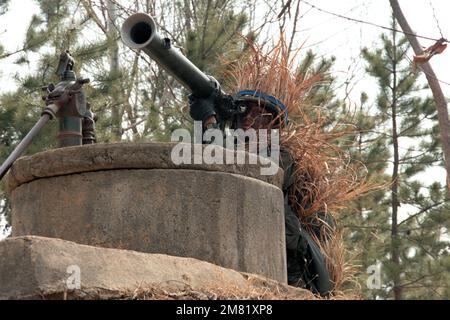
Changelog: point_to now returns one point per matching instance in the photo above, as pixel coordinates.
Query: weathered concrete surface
(227, 219)
(59, 162)
(34, 268)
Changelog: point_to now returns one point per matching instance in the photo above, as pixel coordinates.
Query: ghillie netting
(326, 178)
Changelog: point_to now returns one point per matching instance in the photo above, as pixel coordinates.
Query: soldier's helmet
(270, 103)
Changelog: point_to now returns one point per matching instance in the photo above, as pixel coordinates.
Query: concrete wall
(133, 197)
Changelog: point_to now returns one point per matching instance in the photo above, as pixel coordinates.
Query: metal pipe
(70, 132)
(24, 144)
(139, 31)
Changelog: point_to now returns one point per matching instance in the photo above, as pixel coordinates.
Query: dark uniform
(305, 262)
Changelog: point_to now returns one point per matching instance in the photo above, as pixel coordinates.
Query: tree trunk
(439, 98)
(395, 182)
(114, 69)
(187, 15)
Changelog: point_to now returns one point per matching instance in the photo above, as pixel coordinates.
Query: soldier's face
(256, 118)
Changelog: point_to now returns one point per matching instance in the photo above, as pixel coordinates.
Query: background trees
(403, 226)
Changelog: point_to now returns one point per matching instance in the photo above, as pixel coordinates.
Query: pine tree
(403, 229)
(365, 221)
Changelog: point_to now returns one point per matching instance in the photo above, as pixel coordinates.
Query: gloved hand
(201, 109)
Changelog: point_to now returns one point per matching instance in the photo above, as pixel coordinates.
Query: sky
(326, 34)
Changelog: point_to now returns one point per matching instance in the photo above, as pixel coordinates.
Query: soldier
(305, 261)
(318, 175)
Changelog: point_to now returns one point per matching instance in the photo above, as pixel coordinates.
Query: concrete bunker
(132, 196)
